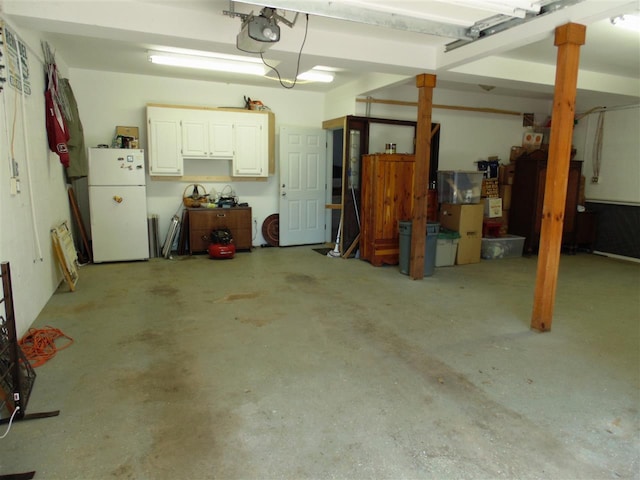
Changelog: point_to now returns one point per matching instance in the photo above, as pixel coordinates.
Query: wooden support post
(568, 39)
(425, 83)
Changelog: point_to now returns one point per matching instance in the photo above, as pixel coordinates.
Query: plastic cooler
(429, 247)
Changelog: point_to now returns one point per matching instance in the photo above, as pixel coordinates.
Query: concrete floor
(283, 363)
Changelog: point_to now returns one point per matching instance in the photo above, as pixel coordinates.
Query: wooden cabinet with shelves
(527, 199)
(202, 221)
(387, 199)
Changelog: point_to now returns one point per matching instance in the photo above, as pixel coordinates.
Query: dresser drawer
(203, 221)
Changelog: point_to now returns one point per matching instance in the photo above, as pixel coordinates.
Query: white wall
(106, 100)
(620, 160)
(27, 217)
(465, 136)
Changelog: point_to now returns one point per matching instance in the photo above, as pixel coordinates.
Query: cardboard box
(462, 218)
(505, 195)
(490, 188)
(126, 137)
(467, 221)
(516, 152)
(492, 207)
(506, 173)
(469, 249)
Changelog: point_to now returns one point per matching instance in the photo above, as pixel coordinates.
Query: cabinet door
(164, 146)
(220, 138)
(387, 199)
(207, 135)
(195, 141)
(250, 139)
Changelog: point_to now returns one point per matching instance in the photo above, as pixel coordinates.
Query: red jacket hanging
(56, 129)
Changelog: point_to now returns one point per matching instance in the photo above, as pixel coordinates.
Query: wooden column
(568, 39)
(425, 83)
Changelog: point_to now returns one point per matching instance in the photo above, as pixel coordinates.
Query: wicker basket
(197, 197)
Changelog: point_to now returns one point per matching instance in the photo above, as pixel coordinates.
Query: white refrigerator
(118, 205)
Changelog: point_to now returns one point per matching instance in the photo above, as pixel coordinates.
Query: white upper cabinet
(241, 137)
(206, 134)
(251, 157)
(195, 141)
(164, 142)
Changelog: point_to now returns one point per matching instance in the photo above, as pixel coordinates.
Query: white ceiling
(116, 35)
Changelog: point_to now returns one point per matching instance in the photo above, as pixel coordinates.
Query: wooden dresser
(203, 220)
(527, 198)
(387, 198)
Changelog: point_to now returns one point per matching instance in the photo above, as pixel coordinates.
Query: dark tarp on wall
(78, 165)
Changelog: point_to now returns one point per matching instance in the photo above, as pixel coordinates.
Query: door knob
(284, 194)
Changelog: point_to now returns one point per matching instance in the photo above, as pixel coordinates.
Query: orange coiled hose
(39, 344)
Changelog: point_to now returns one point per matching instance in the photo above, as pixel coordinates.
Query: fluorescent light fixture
(314, 75)
(628, 22)
(222, 63)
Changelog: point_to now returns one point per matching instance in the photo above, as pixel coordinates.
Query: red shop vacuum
(221, 245)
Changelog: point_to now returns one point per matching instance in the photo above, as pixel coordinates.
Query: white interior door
(303, 167)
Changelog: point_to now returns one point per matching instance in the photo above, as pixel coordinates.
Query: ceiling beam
(541, 27)
(359, 14)
(493, 25)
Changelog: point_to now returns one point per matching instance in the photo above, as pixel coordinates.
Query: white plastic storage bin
(502, 247)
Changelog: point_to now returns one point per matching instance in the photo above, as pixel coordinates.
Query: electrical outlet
(595, 179)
